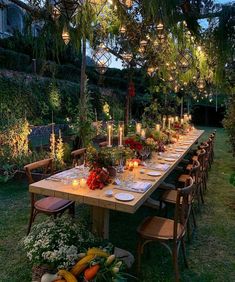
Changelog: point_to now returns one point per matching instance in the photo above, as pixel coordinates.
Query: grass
(211, 253)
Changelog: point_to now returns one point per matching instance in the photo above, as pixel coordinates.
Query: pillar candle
(138, 128)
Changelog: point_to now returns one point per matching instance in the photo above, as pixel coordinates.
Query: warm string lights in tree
(102, 59)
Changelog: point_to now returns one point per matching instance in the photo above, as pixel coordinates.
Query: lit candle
(176, 119)
(158, 127)
(142, 133)
(164, 122)
(138, 128)
(109, 134)
(190, 117)
(130, 165)
(136, 164)
(75, 182)
(120, 133)
(181, 121)
(82, 182)
(185, 118)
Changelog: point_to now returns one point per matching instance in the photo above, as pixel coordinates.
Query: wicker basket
(39, 270)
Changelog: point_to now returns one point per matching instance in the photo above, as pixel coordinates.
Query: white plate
(154, 173)
(169, 159)
(125, 197)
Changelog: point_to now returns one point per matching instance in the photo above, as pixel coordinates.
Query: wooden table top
(98, 197)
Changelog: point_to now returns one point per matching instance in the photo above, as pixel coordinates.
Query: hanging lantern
(173, 66)
(160, 25)
(127, 56)
(67, 8)
(143, 43)
(65, 35)
(151, 71)
(122, 29)
(141, 50)
(127, 3)
(102, 59)
(55, 13)
(201, 84)
(185, 60)
(161, 37)
(170, 78)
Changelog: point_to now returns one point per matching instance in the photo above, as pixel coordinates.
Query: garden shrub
(229, 121)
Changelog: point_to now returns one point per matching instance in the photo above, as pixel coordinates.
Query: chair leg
(188, 230)
(175, 262)
(194, 217)
(201, 193)
(31, 219)
(72, 210)
(139, 253)
(184, 252)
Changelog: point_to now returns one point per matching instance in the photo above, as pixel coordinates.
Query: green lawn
(211, 253)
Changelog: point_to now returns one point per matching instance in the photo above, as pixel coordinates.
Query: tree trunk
(83, 68)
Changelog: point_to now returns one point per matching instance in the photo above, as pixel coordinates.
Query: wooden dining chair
(47, 205)
(168, 232)
(170, 196)
(78, 156)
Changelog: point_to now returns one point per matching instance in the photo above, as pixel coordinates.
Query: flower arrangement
(98, 178)
(107, 157)
(57, 243)
(134, 144)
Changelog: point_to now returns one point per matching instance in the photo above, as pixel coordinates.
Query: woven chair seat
(51, 204)
(159, 228)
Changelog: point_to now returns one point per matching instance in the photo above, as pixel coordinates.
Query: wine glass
(142, 153)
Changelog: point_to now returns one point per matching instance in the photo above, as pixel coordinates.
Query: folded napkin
(138, 186)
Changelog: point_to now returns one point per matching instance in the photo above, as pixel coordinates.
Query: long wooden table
(101, 204)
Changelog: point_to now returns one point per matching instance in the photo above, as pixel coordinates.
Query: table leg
(100, 222)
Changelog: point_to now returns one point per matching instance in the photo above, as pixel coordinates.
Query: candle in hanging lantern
(163, 122)
(120, 133)
(122, 29)
(160, 25)
(109, 133)
(127, 3)
(143, 133)
(138, 128)
(157, 127)
(66, 36)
